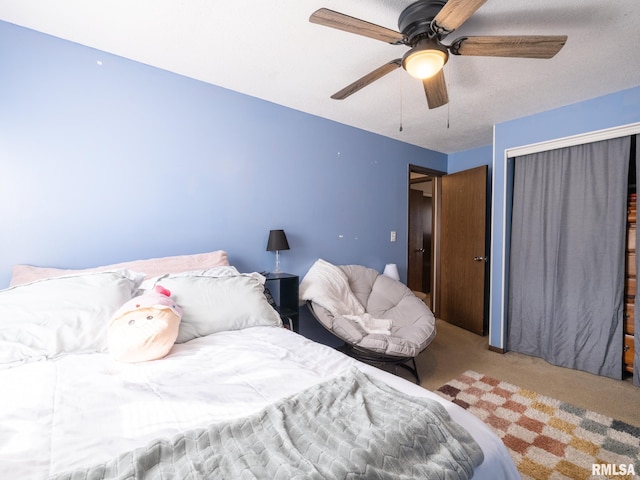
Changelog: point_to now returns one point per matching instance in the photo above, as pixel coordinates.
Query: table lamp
(391, 270)
(277, 241)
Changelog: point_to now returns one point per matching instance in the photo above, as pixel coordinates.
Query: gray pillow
(216, 304)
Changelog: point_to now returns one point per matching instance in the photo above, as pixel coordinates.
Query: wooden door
(463, 253)
(416, 237)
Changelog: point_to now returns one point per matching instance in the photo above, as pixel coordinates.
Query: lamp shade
(424, 64)
(425, 59)
(277, 241)
(391, 270)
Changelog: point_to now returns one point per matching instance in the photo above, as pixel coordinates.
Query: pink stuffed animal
(144, 328)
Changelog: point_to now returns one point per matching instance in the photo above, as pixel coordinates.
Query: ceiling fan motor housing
(415, 20)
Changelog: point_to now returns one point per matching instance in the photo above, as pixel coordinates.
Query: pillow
(145, 328)
(221, 271)
(61, 315)
(216, 304)
(151, 267)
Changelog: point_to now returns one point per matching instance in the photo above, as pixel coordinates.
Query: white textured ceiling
(269, 50)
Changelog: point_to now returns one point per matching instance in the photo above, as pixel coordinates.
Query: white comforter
(83, 409)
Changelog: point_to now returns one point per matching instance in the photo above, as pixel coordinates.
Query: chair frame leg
(376, 359)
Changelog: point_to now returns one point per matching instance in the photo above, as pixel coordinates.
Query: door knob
(420, 250)
(480, 259)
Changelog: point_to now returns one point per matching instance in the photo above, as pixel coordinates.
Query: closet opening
(572, 241)
(630, 269)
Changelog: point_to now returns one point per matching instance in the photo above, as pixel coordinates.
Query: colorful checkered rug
(549, 439)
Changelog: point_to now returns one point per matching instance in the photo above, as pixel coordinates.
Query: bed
(238, 395)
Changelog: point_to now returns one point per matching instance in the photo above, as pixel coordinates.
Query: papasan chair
(379, 319)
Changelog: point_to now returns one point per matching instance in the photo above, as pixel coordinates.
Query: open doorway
(447, 244)
(423, 204)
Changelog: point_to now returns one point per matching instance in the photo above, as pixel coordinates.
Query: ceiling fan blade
(332, 19)
(367, 79)
(436, 89)
(454, 14)
(525, 46)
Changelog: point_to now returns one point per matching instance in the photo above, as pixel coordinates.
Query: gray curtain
(567, 265)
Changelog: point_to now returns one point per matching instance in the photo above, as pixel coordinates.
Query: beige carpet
(454, 351)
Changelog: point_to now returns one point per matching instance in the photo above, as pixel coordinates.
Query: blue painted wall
(467, 159)
(621, 108)
(106, 160)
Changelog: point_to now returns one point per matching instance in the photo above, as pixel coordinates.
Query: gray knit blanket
(350, 427)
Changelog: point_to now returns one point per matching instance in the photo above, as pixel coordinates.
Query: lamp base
(277, 270)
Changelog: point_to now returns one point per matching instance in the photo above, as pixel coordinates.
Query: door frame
(435, 176)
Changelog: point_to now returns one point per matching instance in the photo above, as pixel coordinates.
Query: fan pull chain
(448, 103)
(401, 76)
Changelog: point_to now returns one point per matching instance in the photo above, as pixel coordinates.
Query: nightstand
(284, 289)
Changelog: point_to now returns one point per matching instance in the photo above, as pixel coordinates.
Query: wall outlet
(393, 235)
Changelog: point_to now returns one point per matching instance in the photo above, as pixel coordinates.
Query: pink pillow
(151, 268)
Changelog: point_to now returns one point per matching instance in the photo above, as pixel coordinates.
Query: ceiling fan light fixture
(424, 61)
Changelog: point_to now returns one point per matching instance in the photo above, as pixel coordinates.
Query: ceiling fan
(423, 25)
